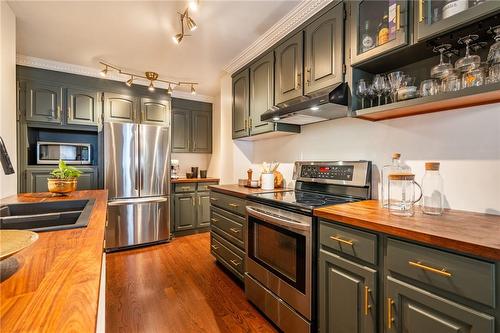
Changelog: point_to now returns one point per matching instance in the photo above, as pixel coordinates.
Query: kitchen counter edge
(242, 191)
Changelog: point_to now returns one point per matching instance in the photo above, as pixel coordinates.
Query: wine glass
(379, 86)
(362, 91)
(468, 61)
(395, 79)
(440, 70)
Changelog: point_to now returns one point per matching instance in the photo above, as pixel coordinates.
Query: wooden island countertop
(467, 232)
(55, 287)
(242, 191)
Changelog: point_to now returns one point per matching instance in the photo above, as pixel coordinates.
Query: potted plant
(64, 179)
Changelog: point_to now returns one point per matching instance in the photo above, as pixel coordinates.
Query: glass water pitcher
(402, 194)
(396, 166)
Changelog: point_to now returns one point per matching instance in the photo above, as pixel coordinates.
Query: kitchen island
(54, 285)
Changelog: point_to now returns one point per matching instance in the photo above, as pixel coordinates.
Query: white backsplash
(188, 160)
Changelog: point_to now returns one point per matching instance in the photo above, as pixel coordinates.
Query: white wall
(188, 160)
(466, 142)
(8, 184)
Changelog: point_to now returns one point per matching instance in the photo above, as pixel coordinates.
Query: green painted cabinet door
(83, 107)
(289, 68)
(43, 102)
(181, 130)
(324, 50)
(201, 131)
(412, 310)
(155, 112)
(261, 93)
(36, 179)
(120, 108)
(203, 209)
(241, 104)
(347, 295)
(184, 211)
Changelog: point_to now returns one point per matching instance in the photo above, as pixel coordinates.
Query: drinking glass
(494, 73)
(440, 70)
(395, 79)
(452, 81)
(474, 77)
(494, 52)
(379, 86)
(362, 91)
(469, 61)
(428, 88)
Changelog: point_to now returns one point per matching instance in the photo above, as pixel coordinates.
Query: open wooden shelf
(486, 94)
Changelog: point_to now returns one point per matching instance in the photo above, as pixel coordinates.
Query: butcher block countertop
(471, 233)
(54, 283)
(194, 180)
(242, 191)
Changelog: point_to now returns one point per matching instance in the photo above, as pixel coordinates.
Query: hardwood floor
(176, 287)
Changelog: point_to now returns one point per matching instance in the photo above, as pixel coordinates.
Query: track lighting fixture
(187, 21)
(177, 38)
(190, 24)
(149, 76)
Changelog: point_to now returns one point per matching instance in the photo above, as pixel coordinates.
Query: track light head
(169, 90)
(193, 91)
(104, 72)
(151, 86)
(178, 38)
(129, 81)
(191, 25)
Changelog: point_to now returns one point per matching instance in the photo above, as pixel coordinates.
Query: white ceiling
(137, 35)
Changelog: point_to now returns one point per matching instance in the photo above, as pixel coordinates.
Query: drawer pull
(187, 188)
(215, 247)
(390, 318)
(367, 300)
(213, 199)
(234, 262)
(441, 272)
(214, 220)
(234, 230)
(233, 205)
(345, 241)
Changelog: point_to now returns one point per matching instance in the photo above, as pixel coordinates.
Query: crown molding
(300, 14)
(52, 65)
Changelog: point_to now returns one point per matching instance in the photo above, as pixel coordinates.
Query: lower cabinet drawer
(230, 226)
(184, 187)
(204, 186)
(233, 204)
(228, 254)
(466, 277)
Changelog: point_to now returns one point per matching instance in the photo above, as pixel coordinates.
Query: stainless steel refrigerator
(137, 177)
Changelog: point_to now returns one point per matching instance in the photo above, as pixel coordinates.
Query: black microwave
(71, 153)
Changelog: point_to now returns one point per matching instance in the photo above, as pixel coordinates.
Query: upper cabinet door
(261, 93)
(201, 131)
(119, 108)
(324, 50)
(433, 17)
(155, 112)
(181, 128)
(240, 104)
(289, 67)
(377, 28)
(43, 102)
(82, 106)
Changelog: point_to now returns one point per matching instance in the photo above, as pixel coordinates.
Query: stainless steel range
(280, 271)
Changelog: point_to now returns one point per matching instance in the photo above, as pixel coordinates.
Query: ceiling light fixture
(191, 24)
(177, 38)
(150, 77)
(186, 21)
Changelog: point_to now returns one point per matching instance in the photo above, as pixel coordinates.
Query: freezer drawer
(137, 222)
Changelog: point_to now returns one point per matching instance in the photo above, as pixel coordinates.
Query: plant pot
(61, 186)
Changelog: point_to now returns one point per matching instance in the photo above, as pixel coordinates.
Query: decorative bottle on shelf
(367, 42)
(395, 167)
(432, 190)
(383, 30)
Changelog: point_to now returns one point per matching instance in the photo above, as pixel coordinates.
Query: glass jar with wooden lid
(402, 194)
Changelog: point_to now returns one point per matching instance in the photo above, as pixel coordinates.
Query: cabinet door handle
(308, 76)
(194, 202)
(420, 10)
(438, 271)
(250, 123)
(234, 230)
(299, 76)
(233, 205)
(199, 201)
(345, 241)
(390, 318)
(246, 124)
(367, 300)
(234, 262)
(398, 17)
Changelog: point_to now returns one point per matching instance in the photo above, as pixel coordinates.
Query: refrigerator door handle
(136, 201)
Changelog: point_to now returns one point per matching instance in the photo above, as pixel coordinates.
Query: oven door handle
(276, 220)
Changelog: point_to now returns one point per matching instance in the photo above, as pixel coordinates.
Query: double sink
(46, 216)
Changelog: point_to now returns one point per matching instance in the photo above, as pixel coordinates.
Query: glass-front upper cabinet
(433, 17)
(377, 27)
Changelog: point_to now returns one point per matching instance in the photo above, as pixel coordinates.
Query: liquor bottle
(396, 166)
(383, 30)
(367, 42)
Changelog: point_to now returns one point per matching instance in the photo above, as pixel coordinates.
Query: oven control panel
(337, 172)
(352, 173)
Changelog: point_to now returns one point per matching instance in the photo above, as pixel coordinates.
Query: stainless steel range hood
(329, 105)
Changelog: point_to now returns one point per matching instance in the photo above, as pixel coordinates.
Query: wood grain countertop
(242, 191)
(55, 287)
(471, 233)
(194, 180)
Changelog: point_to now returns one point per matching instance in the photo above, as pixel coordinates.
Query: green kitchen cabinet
(120, 108)
(347, 295)
(324, 51)
(155, 112)
(261, 93)
(411, 309)
(36, 179)
(181, 130)
(203, 209)
(83, 107)
(44, 102)
(241, 104)
(185, 211)
(201, 131)
(289, 69)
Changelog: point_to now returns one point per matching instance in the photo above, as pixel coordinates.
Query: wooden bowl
(61, 186)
